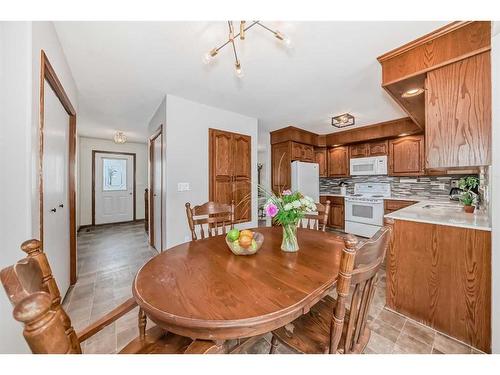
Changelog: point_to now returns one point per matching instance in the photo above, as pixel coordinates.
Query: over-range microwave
(368, 166)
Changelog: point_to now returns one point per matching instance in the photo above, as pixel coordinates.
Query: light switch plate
(183, 186)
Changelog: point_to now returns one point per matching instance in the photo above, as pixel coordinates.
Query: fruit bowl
(247, 243)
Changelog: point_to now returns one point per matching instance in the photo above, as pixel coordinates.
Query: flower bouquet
(286, 210)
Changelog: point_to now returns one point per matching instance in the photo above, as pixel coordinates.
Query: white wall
(15, 163)
(86, 145)
(158, 119)
(495, 189)
(187, 159)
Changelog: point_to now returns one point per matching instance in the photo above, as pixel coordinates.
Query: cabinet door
(379, 148)
(458, 114)
(358, 151)
(307, 153)
(320, 158)
(337, 216)
(338, 162)
(297, 151)
(406, 156)
(281, 168)
(242, 177)
(221, 168)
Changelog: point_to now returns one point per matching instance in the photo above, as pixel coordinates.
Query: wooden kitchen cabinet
(230, 171)
(407, 156)
(302, 152)
(359, 150)
(458, 114)
(338, 161)
(391, 205)
(379, 148)
(320, 157)
(281, 171)
(336, 215)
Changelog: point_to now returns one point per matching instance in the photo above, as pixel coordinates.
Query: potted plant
(287, 209)
(468, 197)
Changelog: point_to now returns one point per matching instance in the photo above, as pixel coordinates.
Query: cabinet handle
(61, 205)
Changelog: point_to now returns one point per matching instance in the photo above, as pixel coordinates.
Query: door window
(114, 174)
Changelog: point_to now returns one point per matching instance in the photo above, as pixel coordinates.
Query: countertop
(449, 213)
(415, 198)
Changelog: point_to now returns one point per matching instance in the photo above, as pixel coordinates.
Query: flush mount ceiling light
(412, 92)
(210, 56)
(120, 138)
(341, 121)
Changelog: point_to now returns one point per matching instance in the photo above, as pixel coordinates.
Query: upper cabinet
(443, 81)
(320, 157)
(406, 156)
(458, 114)
(362, 150)
(302, 152)
(338, 161)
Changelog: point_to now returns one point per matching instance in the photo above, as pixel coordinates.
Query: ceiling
(123, 69)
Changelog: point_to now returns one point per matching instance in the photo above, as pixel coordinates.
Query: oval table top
(201, 290)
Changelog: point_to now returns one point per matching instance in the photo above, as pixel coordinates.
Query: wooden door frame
(47, 73)
(156, 134)
(94, 152)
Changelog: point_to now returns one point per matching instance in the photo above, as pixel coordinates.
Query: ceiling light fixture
(210, 55)
(341, 121)
(412, 92)
(120, 138)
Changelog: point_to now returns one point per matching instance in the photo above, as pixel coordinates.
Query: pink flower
(271, 210)
(286, 192)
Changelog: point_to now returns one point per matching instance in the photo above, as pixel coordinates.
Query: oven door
(363, 166)
(365, 212)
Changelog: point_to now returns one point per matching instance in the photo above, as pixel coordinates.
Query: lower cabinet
(394, 205)
(336, 217)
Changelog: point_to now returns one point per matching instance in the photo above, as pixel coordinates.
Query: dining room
(288, 194)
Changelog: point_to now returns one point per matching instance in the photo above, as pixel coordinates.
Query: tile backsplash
(428, 187)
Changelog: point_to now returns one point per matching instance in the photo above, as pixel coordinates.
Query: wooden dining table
(200, 289)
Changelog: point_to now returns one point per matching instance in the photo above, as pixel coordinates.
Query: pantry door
(114, 187)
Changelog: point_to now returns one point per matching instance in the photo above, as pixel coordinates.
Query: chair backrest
(33, 292)
(359, 265)
(318, 220)
(211, 217)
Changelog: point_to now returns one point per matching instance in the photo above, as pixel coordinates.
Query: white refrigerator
(305, 178)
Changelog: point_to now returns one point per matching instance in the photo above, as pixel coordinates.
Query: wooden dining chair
(317, 220)
(33, 292)
(212, 217)
(331, 327)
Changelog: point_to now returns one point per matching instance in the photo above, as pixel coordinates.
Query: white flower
(288, 207)
(296, 204)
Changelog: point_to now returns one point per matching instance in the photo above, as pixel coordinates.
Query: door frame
(156, 134)
(47, 73)
(94, 152)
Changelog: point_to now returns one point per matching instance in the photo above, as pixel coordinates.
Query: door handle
(53, 210)
(61, 205)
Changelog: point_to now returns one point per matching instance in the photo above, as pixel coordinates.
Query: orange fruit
(246, 232)
(245, 241)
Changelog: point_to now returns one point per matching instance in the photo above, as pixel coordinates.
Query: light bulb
(207, 58)
(238, 71)
(288, 42)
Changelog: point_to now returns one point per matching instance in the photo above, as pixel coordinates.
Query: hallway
(108, 259)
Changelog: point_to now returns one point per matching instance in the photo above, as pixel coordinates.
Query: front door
(114, 187)
(56, 243)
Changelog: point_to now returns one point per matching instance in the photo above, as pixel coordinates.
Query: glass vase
(289, 242)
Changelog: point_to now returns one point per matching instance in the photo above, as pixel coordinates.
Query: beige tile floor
(109, 257)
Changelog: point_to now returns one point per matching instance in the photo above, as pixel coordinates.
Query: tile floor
(109, 256)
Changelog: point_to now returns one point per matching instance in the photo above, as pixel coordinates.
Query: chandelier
(210, 55)
(120, 138)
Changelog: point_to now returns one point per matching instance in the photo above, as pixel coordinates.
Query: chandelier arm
(237, 35)
(265, 27)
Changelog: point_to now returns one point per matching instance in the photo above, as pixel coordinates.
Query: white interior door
(114, 188)
(55, 188)
(157, 193)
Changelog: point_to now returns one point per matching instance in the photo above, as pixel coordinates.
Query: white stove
(364, 210)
